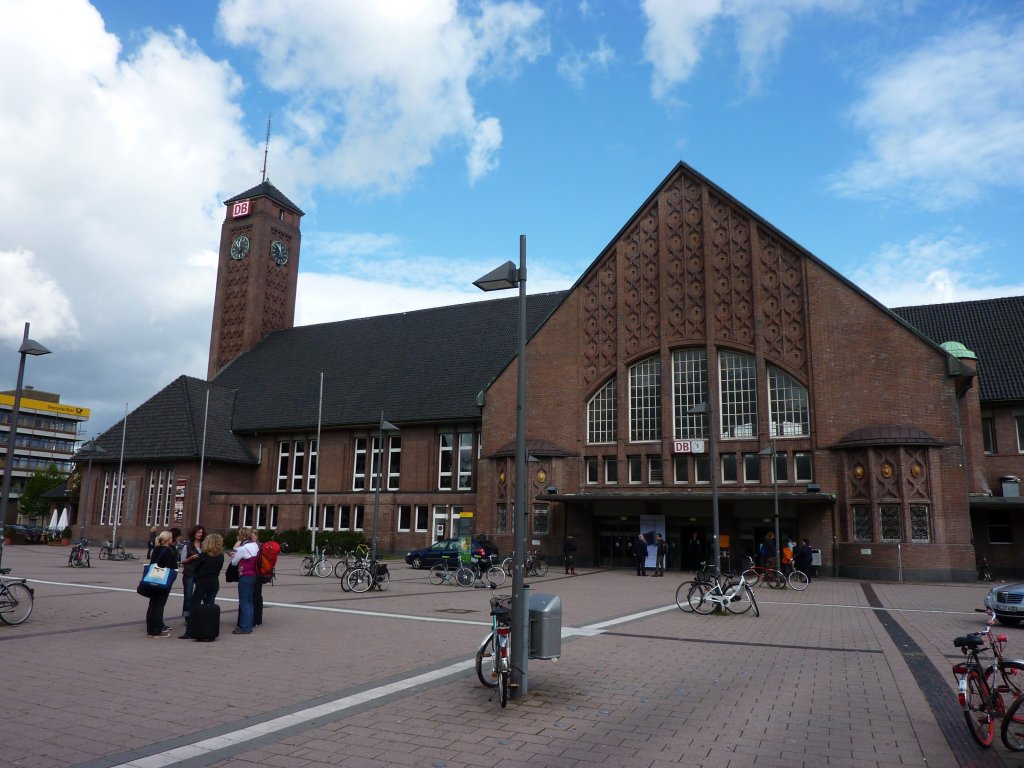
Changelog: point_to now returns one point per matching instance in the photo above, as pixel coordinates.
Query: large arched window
(787, 405)
(645, 400)
(737, 374)
(689, 390)
(601, 415)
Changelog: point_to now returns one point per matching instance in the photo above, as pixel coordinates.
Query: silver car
(1007, 600)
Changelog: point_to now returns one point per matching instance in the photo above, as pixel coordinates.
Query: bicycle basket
(501, 601)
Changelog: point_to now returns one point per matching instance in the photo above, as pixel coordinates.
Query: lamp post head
(29, 347)
(499, 279)
(387, 426)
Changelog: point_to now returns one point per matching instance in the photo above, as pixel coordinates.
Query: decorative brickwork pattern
(232, 335)
(916, 473)
(887, 474)
(640, 277)
(276, 289)
(731, 291)
(782, 303)
(599, 321)
(683, 221)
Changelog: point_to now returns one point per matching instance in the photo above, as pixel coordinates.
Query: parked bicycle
(493, 574)
(984, 570)
(373, 575)
(536, 564)
(79, 557)
(442, 574)
(16, 599)
(981, 686)
(495, 651)
(758, 575)
(316, 564)
(112, 551)
(723, 593)
(349, 562)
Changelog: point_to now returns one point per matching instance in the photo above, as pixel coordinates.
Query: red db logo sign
(241, 208)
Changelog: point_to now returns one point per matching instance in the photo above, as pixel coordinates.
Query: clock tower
(257, 272)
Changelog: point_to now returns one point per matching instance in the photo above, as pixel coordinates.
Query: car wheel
(416, 563)
(1008, 621)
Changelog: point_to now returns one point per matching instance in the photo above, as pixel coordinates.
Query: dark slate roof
(58, 492)
(992, 328)
(896, 434)
(422, 366)
(169, 426)
(266, 189)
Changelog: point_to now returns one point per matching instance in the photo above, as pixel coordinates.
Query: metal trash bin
(1010, 485)
(545, 626)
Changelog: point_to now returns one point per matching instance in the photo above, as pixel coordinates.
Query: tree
(31, 502)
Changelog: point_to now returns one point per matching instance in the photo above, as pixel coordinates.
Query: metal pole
(12, 432)
(520, 610)
(202, 457)
(379, 456)
(316, 488)
(714, 426)
(775, 489)
(120, 482)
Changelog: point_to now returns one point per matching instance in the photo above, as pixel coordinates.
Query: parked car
(428, 557)
(1007, 601)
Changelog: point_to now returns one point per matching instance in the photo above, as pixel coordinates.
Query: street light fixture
(775, 488)
(28, 347)
(708, 408)
(504, 277)
(90, 449)
(385, 426)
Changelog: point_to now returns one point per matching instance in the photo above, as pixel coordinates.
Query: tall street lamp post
(708, 407)
(775, 490)
(504, 277)
(90, 449)
(28, 347)
(388, 427)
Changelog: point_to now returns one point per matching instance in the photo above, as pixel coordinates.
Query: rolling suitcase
(204, 622)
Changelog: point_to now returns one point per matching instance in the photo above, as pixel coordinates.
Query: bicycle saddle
(969, 641)
(4, 570)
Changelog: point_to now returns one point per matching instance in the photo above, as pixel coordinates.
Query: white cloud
(677, 33)
(390, 82)
(930, 270)
(47, 307)
(944, 123)
(575, 66)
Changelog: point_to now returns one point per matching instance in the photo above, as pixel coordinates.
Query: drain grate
(459, 611)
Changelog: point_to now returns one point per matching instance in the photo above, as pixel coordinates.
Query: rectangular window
(862, 523)
(999, 529)
(375, 458)
(445, 459)
(988, 433)
(889, 522)
(729, 468)
(422, 518)
(788, 412)
(312, 519)
(283, 462)
(261, 516)
(247, 515)
(611, 470)
(802, 467)
(1020, 434)
(645, 401)
(151, 497)
(404, 517)
(689, 392)
(394, 462)
(357, 517)
(330, 517)
(680, 469)
(502, 519)
(540, 519)
(751, 468)
(298, 464)
(781, 468)
(359, 467)
(701, 469)
(654, 469)
(465, 482)
(601, 415)
(273, 516)
(920, 523)
(635, 470)
(168, 494)
(235, 511)
(314, 456)
(344, 517)
(593, 470)
(739, 394)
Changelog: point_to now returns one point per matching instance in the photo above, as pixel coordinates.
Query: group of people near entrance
(791, 555)
(201, 560)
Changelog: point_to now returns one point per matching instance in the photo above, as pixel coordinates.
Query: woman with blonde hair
(244, 556)
(206, 576)
(165, 557)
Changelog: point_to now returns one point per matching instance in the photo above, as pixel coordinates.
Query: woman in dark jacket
(189, 556)
(207, 574)
(164, 556)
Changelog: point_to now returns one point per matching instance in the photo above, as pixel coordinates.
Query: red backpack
(267, 560)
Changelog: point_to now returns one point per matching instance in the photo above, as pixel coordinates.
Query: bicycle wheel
(306, 568)
(323, 568)
(438, 575)
(506, 565)
(699, 599)
(1012, 729)
(340, 567)
(360, 580)
(119, 553)
(383, 582)
(774, 579)
(83, 560)
(540, 566)
(751, 576)
(753, 601)
(345, 587)
(1011, 679)
(979, 723)
(798, 580)
(485, 651)
(495, 575)
(104, 553)
(464, 577)
(682, 596)
(15, 603)
(503, 689)
(739, 597)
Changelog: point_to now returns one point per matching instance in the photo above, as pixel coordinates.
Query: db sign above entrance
(687, 446)
(241, 208)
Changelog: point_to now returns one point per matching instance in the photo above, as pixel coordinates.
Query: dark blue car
(428, 557)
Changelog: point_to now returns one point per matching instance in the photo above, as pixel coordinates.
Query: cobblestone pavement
(844, 674)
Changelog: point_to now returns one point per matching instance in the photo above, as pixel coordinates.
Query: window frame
(645, 400)
(602, 413)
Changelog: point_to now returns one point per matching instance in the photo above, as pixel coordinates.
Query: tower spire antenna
(266, 149)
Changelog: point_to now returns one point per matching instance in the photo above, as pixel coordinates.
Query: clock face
(239, 247)
(279, 253)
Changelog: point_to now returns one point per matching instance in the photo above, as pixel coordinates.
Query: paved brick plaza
(834, 676)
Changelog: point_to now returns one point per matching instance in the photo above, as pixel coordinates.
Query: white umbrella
(63, 522)
(53, 519)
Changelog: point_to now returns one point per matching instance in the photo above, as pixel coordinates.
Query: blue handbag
(158, 577)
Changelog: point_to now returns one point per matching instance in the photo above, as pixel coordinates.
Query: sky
(422, 137)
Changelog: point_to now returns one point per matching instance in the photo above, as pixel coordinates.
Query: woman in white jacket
(244, 556)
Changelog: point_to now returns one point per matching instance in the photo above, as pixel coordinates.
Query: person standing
(164, 556)
(640, 553)
(206, 574)
(189, 555)
(244, 556)
(660, 550)
(803, 557)
(152, 542)
(569, 551)
(694, 551)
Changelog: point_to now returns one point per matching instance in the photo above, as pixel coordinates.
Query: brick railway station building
(896, 433)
